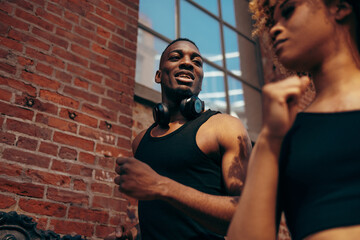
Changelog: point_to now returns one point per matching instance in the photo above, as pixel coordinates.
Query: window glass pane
(158, 15)
(236, 96)
(232, 53)
(213, 89)
(227, 11)
(148, 54)
(203, 30)
(210, 5)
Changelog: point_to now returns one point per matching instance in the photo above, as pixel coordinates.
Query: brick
(42, 207)
(86, 158)
(111, 18)
(117, 5)
(94, 77)
(123, 143)
(107, 163)
(54, 9)
(99, 112)
(75, 92)
(101, 22)
(105, 176)
(122, 98)
(15, 111)
(122, 50)
(4, 53)
(119, 87)
(25, 61)
(74, 38)
(97, 89)
(44, 57)
(89, 34)
(10, 169)
(63, 76)
(116, 107)
(37, 104)
(13, 22)
(73, 141)
(110, 151)
(68, 153)
(57, 123)
(109, 203)
(99, 49)
(30, 90)
(70, 57)
(84, 52)
(48, 148)
(5, 95)
(80, 117)
(6, 42)
(88, 215)
(121, 130)
(48, 178)
(60, 99)
(80, 185)
(22, 188)
(67, 196)
(81, 83)
(26, 143)
(6, 7)
(59, 21)
(6, 201)
(103, 137)
(119, 41)
(29, 129)
(76, 6)
(71, 16)
(24, 4)
(71, 168)
(125, 120)
(40, 80)
(102, 188)
(106, 71)
(50, 37)
(103, 231)
(44, 68)
(26, 157)
(102, 32)
(22, 37)
(7, 138)
(7, 68)
(72, 228)
(34, 19)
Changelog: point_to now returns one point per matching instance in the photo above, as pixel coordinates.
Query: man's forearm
(211, 211)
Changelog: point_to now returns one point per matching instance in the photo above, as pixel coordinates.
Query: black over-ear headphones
(190, 108)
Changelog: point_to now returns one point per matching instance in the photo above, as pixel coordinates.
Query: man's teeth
(185, 76)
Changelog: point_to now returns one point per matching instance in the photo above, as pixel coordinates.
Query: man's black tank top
(178, 157)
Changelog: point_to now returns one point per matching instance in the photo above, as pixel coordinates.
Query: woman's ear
(344, 9)
(158, 76)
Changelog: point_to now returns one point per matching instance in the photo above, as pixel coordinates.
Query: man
(189, 168)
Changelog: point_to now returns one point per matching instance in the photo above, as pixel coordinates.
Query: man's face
(181, 71)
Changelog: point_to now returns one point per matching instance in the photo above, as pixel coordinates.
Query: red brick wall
(67, 74)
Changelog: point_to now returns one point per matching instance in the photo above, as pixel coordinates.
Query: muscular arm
(230, 140)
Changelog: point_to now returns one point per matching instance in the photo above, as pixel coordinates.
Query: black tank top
(320, 172)
(178, 157)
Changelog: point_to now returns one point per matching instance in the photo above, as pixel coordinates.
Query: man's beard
(179, 94)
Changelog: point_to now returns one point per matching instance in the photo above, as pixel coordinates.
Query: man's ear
(158, 76)
(344, 9)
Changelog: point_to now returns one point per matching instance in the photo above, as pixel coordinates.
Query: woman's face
(301, 34)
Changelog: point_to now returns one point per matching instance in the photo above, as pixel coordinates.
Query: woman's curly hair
(263, 11)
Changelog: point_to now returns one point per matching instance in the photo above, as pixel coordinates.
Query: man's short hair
(174, 41)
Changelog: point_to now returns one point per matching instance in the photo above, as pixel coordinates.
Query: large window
(222, 31)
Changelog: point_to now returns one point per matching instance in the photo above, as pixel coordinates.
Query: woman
(309, 167)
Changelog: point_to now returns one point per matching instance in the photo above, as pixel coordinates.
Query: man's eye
(174, 57)
(197, 62)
